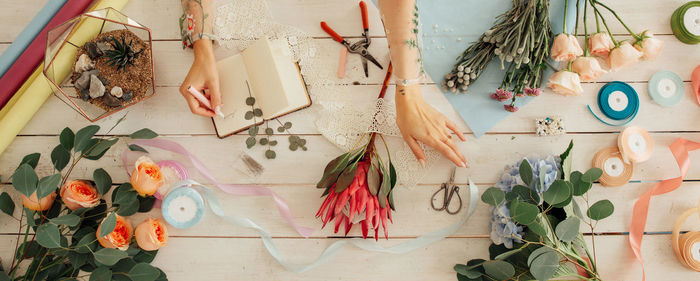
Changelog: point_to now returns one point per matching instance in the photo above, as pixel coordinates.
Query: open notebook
(266, 72)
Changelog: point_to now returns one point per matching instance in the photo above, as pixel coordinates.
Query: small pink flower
(510, 107)
(520, 95)
(588, 68)
(622, 56)
(565, 83)
(502, 95)
(533, 92)
(600, 44)
(566, 48)
(649, 46)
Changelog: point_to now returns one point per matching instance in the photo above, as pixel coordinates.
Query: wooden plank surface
(230, 253)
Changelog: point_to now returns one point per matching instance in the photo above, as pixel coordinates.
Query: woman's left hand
(420, 122)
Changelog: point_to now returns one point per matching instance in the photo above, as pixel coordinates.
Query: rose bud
(34, 204)
(649, 46)
(600, 44)
(146, 177)
(566, 48)
(623, 55)
(565, 83)
(151, 234)
(78, 194)
(119, 238)
(588, 68)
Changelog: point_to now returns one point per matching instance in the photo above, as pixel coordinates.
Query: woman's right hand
(204, 77)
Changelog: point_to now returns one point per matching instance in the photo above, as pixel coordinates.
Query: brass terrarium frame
(60, 37)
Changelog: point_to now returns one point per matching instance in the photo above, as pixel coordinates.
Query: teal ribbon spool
(617, 101)
(666, 88)
(183, 207)
(685, 23)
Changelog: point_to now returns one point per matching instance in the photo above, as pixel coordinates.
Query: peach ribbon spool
(695, 83)
(615, 171)
(635, 145)
(687, 245)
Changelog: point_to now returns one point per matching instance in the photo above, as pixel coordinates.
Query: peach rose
(33, 203)
(623, 55)
(588, 68)
(649, 46)
(146, 177)
(78, 194)
(566, 48)
(151, 234)
(600, 44)
(119, 238)
(565, 83)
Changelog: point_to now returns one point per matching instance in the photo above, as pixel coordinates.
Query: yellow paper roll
(34, 92)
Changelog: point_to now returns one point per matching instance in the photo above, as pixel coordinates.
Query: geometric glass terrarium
(100, 62)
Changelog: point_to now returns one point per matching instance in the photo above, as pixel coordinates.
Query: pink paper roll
(32, 56)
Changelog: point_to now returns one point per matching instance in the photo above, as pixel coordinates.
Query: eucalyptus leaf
(493, 196)
(524, 193)
(108, 256)
(146, 203)
(128, 206)
(135, 147)
(248, 115)
(270, 154)
(592, 175)
(568, 229)
(25, 179)
(500, 270)
(537, 228)
(465, 270)
(557, 193)
(102, 146)
(253, 131)
(48, 236)
(250, 142)
(108, 224)
(101, 273)
(537, 252)
(84, 136)
(6, 204)
(601, 209)
(287, 125)
(66, 138)
(144, 133)
(507, 254)
(48, 185)
(257, 112)
(269, 131)
(87, 243)
(60, 157)
(263, 141)
(526, 172)
(523, 212)
(143, 272)
(103, 181)
(580, 186)
(280, 129)
(67, 219)
(145, 256)
(250, 101)
(31, 159)
(273, 142)
(545, 265)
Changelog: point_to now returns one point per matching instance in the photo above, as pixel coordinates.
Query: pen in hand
(202, 99)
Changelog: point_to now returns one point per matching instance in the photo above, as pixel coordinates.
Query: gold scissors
(449, 189)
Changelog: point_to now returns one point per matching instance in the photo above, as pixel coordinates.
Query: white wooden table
(214, 250)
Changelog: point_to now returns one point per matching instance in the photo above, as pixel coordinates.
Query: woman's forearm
(196, 21)
(400, 19)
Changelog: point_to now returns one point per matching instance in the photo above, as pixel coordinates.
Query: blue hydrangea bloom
(504, 230)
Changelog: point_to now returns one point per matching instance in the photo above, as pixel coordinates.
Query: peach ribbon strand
(679, 148)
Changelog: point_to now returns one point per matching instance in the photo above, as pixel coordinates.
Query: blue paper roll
(617, 101)
(28, 34)
(183, 207)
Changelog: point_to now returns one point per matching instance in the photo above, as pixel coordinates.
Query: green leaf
(146, 203)
(248, 115)
(345, 178)
(67, 219)
(545, 265)
(392, 173)
(273, 142)
(143, 272)
(592, 175)
(257, 112)
(84, 136)
(270, 154)
(103, 181)
(87, 243)
(287, 125)
(101, 273)
(66, 138)
(537, 228)
(523, 212)
(526, 172)
(580, 186)
(333, 170)
(374, 180)
(47, 185)
(6, 204)
(102, 146)
(135, 147)
(280, 129)
(524, 193)
(500, 270)
(568, 229)
(144, 133)
(507, 254)
(493, 196)
(269, 131)
(557, 193)
(145, 256)
(4, 276)
(108, 256)
(25, 179)
(536, 253)
(600, 210)
(128, 205)
(108, 224)
(250, 101)
(31, 159)
(467, 271)
(253, 131)
(60, 157)
(48, 236)
(250, 142)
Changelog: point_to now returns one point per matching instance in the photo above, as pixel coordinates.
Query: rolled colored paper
(40, 89)
(635, 144)
(686, 246)
(695, 83)
(617, 101)
(679, 148)
(666, 88)
(342, 61)
(615, 171)
(28, 34)
(34, 53)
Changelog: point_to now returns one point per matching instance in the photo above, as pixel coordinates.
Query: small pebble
(92, 50)
(85, 94)
(111, 101)
(117, 92)
(83, 82)
(127, 96)
(84, 63)
(97, 89)
(103, 46)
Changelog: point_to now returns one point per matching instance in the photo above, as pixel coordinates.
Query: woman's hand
(418, 121)
(204, 77)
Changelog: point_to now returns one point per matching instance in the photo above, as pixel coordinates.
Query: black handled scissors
(449, 189)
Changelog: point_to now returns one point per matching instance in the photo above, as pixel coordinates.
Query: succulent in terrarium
(122, 54)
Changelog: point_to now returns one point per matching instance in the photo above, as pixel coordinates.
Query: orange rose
(588, 68)
(649, 46)
(33, 203)
(151, 234)
(78, 194)
(622, 56)
(566, 48)
(565, 83)
(119, 238)
(600, 44)
(146, 177)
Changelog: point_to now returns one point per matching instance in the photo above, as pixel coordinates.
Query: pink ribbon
(679, 148)
(237, 189)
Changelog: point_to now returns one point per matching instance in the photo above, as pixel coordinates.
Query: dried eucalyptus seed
(263, 141)
(248, 115)
(250, 101)
(250, 142)
(269, 154)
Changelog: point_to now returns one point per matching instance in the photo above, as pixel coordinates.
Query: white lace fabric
(340, 118)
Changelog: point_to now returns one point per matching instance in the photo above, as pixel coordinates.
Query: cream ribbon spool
(686, 246)
(635, 145)
(615, 171)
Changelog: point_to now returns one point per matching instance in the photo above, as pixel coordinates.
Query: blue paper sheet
(10, 55)
(467, 20)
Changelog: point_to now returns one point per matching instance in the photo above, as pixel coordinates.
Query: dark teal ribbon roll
(617, 101)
